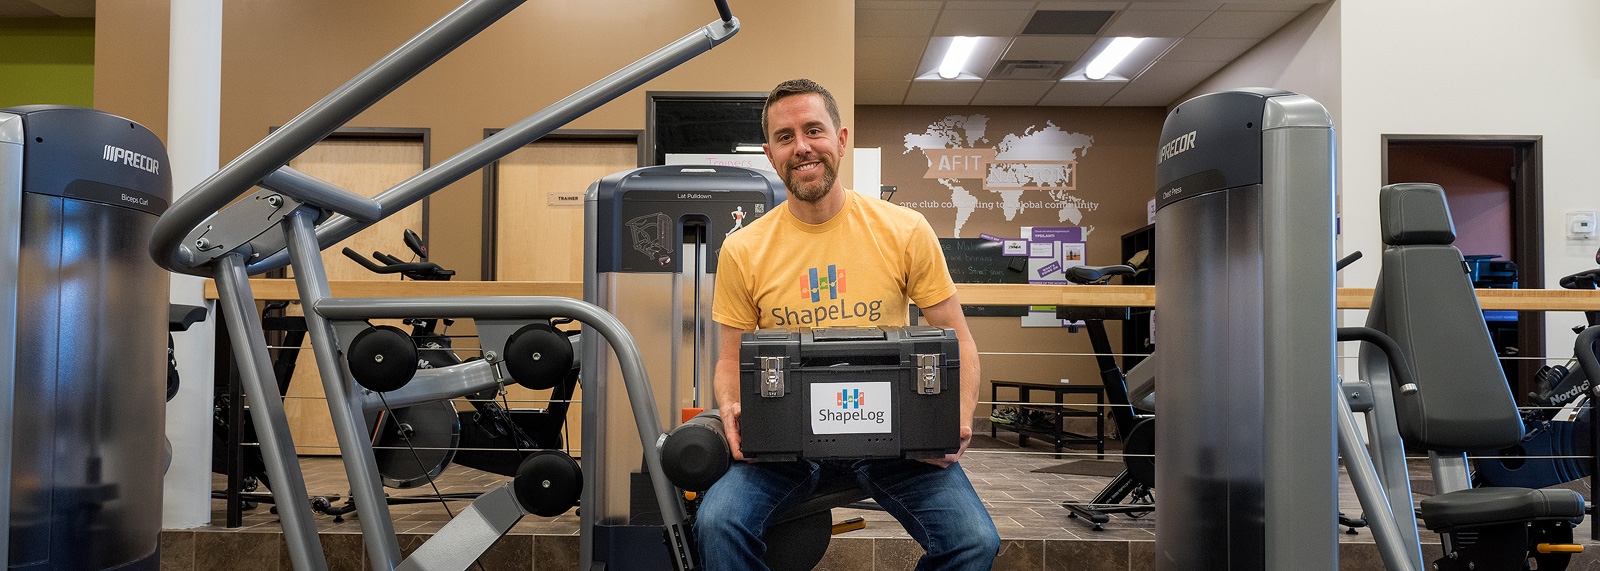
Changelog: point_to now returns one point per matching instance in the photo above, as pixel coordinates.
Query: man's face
(804, 146)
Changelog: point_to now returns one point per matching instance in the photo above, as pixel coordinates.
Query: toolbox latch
(772, 378)
(927, 374)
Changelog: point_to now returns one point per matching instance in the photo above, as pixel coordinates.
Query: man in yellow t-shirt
(826, 257)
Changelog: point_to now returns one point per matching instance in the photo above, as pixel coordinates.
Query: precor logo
(120, 155)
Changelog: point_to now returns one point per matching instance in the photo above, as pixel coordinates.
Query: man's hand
(730, 429)
(949, 459)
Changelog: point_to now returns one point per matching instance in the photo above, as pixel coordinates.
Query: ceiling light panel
(1067, 22)
(1148, 52)
(985, 52)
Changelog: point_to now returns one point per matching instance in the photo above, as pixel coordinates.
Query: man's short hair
(799, 87)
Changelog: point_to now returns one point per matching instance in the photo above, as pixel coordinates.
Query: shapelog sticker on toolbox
(851, 408)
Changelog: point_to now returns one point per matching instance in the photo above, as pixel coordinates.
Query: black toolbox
(849, 392)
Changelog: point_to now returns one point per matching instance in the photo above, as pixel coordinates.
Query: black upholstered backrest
(1425, 301)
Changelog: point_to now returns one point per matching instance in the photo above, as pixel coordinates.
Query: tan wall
(1117, 171)
(282, 56)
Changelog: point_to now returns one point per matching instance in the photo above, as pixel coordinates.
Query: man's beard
(813, 192)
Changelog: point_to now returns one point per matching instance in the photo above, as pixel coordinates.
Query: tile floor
(1036, 532)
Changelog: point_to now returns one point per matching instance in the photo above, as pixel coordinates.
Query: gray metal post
(238, 307)
(1399, 553)
(11, 140)
(1301, 468)
(349, 426)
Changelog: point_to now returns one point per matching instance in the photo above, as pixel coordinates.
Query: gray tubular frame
(247, 243)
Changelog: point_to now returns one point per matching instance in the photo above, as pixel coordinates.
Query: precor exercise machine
(82, 311)
(1244, 224)
(296, 216)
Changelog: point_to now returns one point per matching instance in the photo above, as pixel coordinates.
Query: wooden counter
(970, 294)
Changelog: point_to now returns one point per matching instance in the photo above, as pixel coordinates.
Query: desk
(1060, 436)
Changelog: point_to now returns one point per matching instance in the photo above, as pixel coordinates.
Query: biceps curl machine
(222, 230)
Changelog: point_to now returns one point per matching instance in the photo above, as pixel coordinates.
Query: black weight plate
(435, 432)
(538, 356)
(548, 483)
(382, 358)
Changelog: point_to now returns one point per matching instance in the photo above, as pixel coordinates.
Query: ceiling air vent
(1067, 22)
(1028, 69)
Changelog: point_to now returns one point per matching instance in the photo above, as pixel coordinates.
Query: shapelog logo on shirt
(815, 283)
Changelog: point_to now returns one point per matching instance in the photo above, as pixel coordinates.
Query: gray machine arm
(264, 161)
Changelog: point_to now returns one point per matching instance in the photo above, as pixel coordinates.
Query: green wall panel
(47, 60)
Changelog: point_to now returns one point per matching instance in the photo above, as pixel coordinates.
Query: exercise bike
(1559, 427)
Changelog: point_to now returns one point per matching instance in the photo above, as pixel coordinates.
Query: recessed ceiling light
(1110, 57)
(956, 58)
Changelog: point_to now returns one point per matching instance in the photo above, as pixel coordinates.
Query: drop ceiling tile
(942, 92)
(870, 92)
(886, 69)
(1165, 81)
(1175, 5)
(1269, 6)
(1155, 23)
(981, 22)
(992, 5)
(1082, 5)
(1002, 92)
(899, 5)
(890, 48)
(1207, 49)
(1081, 93)
(1048, 47)
(879, 23)
(1242, 24)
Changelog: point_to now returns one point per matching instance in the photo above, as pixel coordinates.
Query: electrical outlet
(1581, 224)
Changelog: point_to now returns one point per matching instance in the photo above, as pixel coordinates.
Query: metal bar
(349, 426)
(227, 368)
(433, 385)
(1386, 523)
(318, 121)
(1583, 350)
(323, 194)
(469, 534)
(238, 308)
(523, 132)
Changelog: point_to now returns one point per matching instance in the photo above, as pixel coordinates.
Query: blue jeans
(937, 506)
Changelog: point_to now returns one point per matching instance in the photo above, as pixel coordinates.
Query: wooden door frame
(1527, 228)
(491, 182)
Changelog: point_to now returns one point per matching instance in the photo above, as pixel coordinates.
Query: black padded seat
(831, 493)
(1479, 507)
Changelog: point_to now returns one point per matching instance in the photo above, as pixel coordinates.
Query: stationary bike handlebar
(174, 244)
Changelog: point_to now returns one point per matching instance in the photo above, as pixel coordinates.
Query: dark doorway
(1492, 186)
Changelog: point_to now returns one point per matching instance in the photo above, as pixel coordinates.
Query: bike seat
(1091, 274)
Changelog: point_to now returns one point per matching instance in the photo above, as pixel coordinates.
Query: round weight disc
(382, 358)
(538, 356)
(434, 432)
(548, 483)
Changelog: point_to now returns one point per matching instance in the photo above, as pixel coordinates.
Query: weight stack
(85, 372)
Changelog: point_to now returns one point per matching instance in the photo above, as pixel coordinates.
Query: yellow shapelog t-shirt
(859, 268)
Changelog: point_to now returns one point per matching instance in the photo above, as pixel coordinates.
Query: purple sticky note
(1050, 268)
